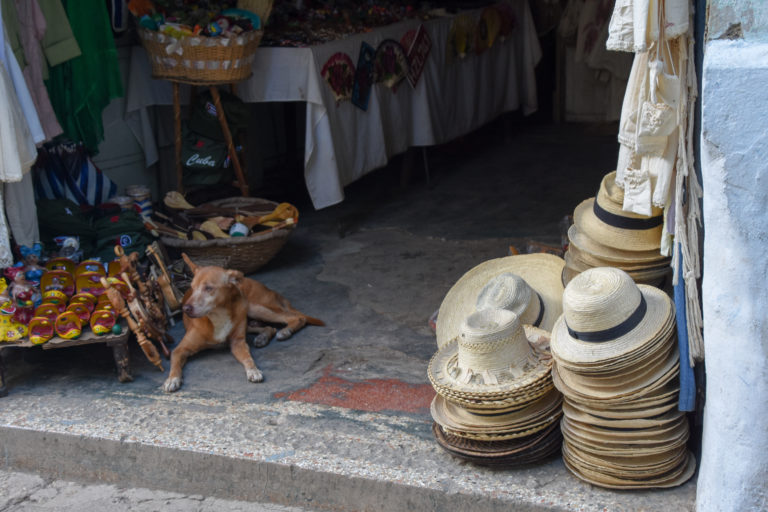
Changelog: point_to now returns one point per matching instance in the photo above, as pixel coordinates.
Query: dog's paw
(254, 375)
(172, 384)
(262, 340)
(284, 333)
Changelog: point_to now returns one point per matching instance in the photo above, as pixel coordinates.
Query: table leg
(122, 361)
(228, 139)
(177, 135)
(3, 389)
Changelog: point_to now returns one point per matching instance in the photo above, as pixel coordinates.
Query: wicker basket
(248, 253)
(201, 59)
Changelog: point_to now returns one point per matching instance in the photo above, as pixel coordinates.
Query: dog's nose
(187, 309)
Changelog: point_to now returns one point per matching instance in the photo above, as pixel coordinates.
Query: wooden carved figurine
(120, 308)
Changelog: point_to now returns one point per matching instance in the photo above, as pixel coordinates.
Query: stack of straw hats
(496, 403)
(533, 290)
(603, 235)
(617, 365)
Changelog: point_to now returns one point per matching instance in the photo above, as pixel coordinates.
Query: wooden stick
(177, 136)
(119, 304)
(228, 139)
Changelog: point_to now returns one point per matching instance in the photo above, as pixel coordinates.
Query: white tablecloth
(343, 142)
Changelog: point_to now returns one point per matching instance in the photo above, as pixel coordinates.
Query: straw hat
(491, 357)
(543, 411)
(502, 453)
(603, 219)
(535, 291)
(617, 257)
(673, 478)
(607, 316)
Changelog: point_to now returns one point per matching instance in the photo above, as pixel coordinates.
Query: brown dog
(216, 310)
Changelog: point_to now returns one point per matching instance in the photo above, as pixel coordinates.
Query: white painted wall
(734, 467)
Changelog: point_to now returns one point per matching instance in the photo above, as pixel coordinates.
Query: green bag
(203, 160)
(59, 218)
(204, 120)
(125, 229)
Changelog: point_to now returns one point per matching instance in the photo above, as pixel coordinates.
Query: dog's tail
(314, 321)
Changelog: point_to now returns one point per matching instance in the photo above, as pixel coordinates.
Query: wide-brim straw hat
(603, 219)
(634, 384)
(616, 256)
(502, 453)
(641, 274)
(544, 411)
(607, 316)
(678, 476)
(608, 437)
(541, 272)
(491, 358)
(585, 258)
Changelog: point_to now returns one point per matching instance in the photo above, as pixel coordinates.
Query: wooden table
(117, 342)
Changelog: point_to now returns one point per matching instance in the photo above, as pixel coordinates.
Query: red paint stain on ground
(372, 395)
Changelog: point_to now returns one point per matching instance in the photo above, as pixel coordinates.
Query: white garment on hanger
(634, 24)
(24, 98)
(17, 148)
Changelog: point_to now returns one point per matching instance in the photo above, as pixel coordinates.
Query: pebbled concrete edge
(127, 464)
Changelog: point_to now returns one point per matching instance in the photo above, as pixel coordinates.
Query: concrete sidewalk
(342, 420)
(25, 492)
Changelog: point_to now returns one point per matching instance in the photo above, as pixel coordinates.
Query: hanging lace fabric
(656, 163)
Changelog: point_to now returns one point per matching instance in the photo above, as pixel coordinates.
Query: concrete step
(284, 452)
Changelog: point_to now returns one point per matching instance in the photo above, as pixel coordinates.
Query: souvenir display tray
(117, 342)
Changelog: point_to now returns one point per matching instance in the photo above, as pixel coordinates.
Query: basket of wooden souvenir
(241, 233)
(219, 51)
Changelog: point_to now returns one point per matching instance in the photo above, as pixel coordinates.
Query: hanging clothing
(17, 148)
(32, 27)
(17, 151)
(656, 145)
(12, 32)
(59, 43)
(82, 87)
(634, 25)
(21, 211)
(21, 91)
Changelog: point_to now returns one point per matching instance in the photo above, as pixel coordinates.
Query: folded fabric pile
(617, 365)
(604, 235)
(496, 403)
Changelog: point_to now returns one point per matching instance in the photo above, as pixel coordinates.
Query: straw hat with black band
(607, 316)
(603, 219)
(534, 291)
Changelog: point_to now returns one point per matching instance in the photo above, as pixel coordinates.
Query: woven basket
(248, 253)
(201, 59)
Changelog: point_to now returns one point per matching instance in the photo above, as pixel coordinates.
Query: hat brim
(547, 408)
(531, 377)
(542, 272)
(672, 479)
(585, 244)
(626, 239)
(659, 312)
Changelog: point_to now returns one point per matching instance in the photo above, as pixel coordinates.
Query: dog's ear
(235, 277)
(189, 263)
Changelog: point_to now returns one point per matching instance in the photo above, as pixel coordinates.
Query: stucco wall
(734, 144)
(750, 15)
